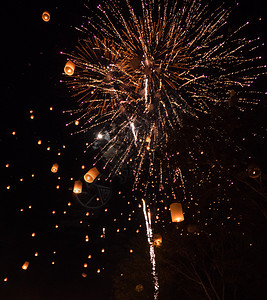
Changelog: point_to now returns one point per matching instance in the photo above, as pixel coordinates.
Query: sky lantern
(77, 189)
(54, 168)
(69, 68)
(139, 288)
(176, 212)
(91, 175)
(25, 265)
(157, 240)
(254, 171)
(46, 16)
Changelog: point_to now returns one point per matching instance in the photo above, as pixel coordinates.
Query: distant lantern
(25, 265)
(148, 139)
(54, 168)
(91, 175)
(77, 189)
(46, 16)
(69, 68)
(254, 171)
(157, 240)
(139, 288)
(176, 212)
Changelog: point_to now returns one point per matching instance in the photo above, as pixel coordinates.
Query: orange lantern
(91, 175)
(69, 68)
(176, 212)
(157, 240)
(254, 171)
(54, 168)
(77, 189)
(25, 265)
(46, 16)
(148, 139)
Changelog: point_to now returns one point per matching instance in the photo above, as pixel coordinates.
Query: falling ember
(77, 189)
(151, 250)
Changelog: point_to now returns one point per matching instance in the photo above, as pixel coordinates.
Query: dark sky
(31, 68)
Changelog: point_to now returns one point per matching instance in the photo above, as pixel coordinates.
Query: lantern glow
(77, 189)
(254, 171)
(176, 212)
(91, 175)
(157, 240)
(46, 16)
(69, 68)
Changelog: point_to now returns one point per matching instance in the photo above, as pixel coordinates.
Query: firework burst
(142, 71)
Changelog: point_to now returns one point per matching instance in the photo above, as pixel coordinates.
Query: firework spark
(149, 234)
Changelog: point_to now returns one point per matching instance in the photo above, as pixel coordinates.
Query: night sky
(34, 201)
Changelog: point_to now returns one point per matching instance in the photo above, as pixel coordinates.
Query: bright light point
(100, 136)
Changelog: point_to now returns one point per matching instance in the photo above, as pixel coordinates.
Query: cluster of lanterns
(177, 215)
(89, 177)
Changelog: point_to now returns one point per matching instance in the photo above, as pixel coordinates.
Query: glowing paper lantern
(46, 16)
(176, 212)
(69, 68)
(77, 189)
(254, 171)
(25, 265)
(54, 168)
(91, 175)
(157, 240)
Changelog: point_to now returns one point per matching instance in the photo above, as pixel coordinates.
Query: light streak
(152, 254)
(133, 131)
